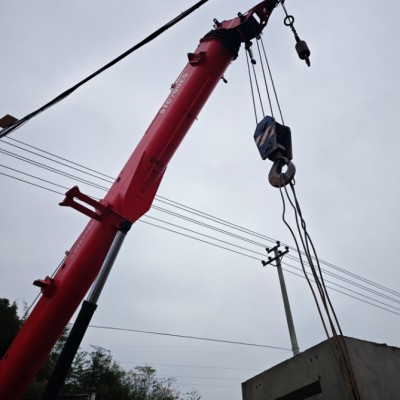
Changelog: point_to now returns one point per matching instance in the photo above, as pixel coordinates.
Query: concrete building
(315, 375)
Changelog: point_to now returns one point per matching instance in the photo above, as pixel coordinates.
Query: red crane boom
(128, 199)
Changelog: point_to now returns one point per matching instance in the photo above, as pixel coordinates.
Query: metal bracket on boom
(47, 286)
(103, 213)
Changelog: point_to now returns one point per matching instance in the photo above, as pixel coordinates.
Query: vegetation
(94, 374)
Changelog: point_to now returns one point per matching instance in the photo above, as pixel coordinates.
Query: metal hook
(276, 177)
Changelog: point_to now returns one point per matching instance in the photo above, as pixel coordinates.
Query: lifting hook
(276, 177)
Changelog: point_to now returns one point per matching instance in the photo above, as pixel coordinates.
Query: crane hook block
(274, 141)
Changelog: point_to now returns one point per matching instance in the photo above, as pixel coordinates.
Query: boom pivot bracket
(101, 211)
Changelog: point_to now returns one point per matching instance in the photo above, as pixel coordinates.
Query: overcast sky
(343, 113)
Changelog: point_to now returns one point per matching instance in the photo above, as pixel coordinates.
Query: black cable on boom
(18, 123)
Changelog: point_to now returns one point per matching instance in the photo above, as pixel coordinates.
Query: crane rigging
(133, 192)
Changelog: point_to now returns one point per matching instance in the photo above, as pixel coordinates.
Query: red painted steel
(130, 197)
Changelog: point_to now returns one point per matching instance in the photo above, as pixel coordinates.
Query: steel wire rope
(308, 240)
(301, 260)
(251, 88)
(338, 343)
(311, 265)
(264, 76)
(272, 81)
(6, 131)
(258, 89)
(224, 248)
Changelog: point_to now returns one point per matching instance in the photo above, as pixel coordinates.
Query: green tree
(9, 324)
(98, 373)
(39, 384)
(91, 372)
(146, 386)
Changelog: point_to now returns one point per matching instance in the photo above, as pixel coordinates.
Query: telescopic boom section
(128, 199)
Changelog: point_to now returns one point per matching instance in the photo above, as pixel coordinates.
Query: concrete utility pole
(278, 256)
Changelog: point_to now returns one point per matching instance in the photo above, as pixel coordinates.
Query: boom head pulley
(250, 24)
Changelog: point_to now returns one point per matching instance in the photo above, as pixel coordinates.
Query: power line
(200, 377)
(184, 208)
(189, 366)
(214, 386)
(32, 176)
(201, 240)
(346, 288)
(58, 162)
(347, 294)
(51, 169)
(6, 131)
(30, 183)
(211, 218)
(189, 337)
(239, 252)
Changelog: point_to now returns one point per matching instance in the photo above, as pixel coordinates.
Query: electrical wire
(258, 244)
(344, 287)
(6, 131)
(345, 293)
(51, 169)
(230, 225)
(190, 366)
(30, 183)
(198, 213)
(201, 240)
(206, 339)
(233, 235)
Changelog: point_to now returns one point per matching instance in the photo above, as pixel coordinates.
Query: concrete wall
(315, 374)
